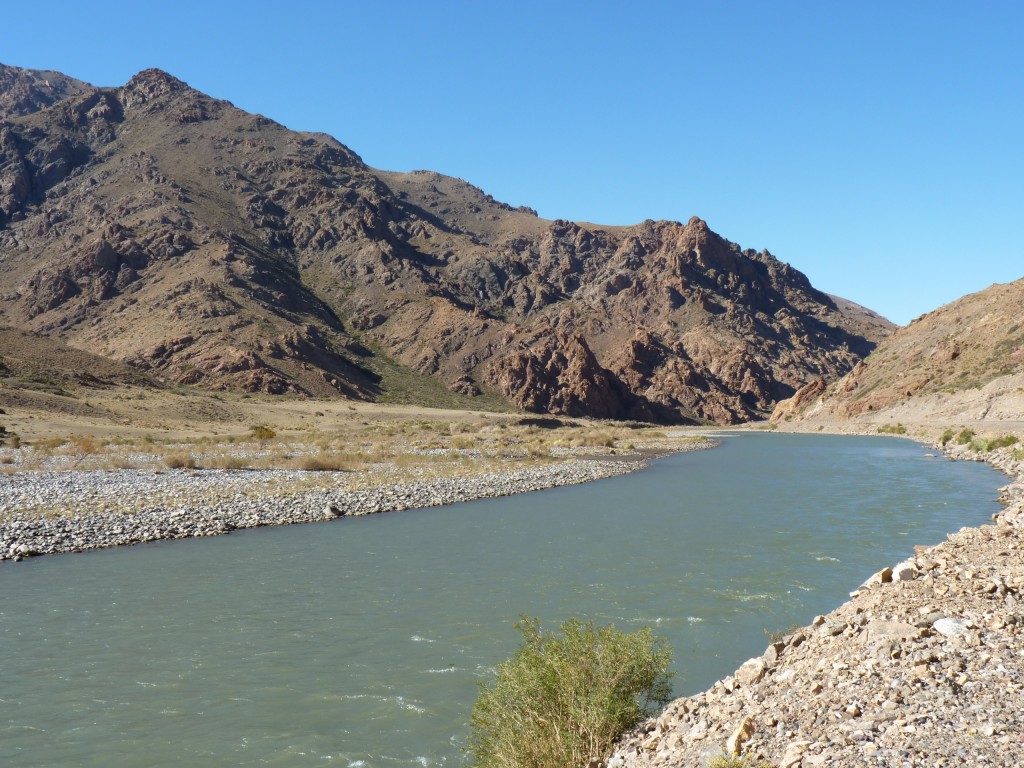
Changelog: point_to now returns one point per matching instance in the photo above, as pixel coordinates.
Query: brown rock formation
(156, 225)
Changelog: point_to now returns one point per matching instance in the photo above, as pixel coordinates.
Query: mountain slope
(155, 225)
(24, 91)
(962, 362)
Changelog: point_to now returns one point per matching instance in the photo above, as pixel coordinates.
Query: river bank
(72, 510)
(923, 666)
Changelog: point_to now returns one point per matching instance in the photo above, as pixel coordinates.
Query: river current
(361, 642)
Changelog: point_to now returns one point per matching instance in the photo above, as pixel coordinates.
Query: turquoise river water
(360, 642)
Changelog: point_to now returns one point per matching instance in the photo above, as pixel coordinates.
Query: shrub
(229, 461)
(1002, 442)
(80, 446)
(892, 429)
(564, 699)
(965, 436)
(983, 445)
(946, 436)
(262, 432)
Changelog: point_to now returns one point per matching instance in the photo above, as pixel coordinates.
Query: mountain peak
(150, 85)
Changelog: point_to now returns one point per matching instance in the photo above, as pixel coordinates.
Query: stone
(751, 671)
(950, 627)
(734, 744)
(793, 756)
(773, 652)
(905, 571)
(877, 629)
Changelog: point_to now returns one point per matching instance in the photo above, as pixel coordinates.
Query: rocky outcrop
(24, 91)
(558, 374)
(804, 397)
(132, 217)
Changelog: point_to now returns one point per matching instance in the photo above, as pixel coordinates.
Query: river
(360, 642)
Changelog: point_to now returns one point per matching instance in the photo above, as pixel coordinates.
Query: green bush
(947, 436)
(564, 699)
(890, 429)
(965, 436)
(983, 445)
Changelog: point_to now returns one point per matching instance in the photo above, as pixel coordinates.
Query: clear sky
(876, 146)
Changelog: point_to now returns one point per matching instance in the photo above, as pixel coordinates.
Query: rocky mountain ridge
(158, 226)
(962, 363)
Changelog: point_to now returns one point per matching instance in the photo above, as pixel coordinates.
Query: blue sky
(876, 146)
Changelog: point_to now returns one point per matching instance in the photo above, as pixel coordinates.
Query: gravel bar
(72, 511)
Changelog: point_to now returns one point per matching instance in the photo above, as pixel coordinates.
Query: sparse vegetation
(563, 699)
(892, 429)
(329, 463)
(782, 634)
(947, 436)
(737, 761)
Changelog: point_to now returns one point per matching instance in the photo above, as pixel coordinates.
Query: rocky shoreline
(76, 510)
(922, 667)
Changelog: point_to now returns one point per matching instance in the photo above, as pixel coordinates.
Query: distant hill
(154, 225)
(962, 362)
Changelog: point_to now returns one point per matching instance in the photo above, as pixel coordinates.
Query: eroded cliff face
(155, 225)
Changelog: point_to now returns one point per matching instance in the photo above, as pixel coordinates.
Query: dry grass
(427, 447)
(327, 462)
(180, 461)
(228, 461)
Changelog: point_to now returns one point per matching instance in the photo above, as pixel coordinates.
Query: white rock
(950, 627)
(905, 571)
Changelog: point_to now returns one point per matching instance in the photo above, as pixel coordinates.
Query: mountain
(24, 91)
(169, 230)
(962, 362)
